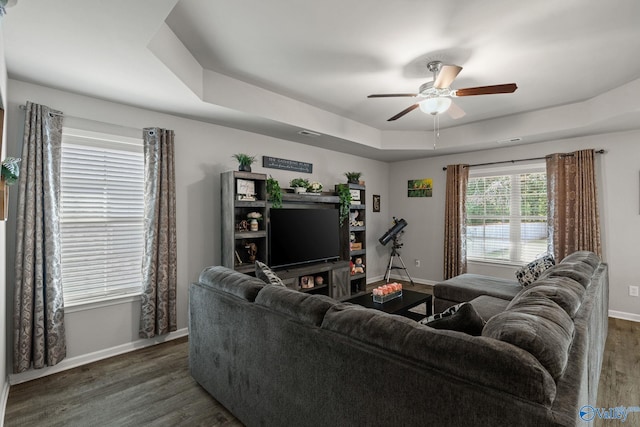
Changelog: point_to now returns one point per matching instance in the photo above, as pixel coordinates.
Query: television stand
(328, 278)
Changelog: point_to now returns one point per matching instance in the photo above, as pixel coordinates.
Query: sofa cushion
(481, 360)
(529, 273)
(578, 271)
(539, 326)
(268, 276)
(462, 318)
(231, 281)
(487, 306)
(306, 308)
(564, 291)
(466, 287)
(582, 256)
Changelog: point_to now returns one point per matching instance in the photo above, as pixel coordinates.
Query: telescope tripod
(395, 253)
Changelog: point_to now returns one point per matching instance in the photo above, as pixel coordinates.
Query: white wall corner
(168, 48)
(237, 95)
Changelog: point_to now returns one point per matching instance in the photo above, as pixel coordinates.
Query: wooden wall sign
(284, 164)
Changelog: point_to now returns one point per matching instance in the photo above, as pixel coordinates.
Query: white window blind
(507, 214)
(102, 216)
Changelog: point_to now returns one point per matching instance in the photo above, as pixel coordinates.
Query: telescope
(398, 226)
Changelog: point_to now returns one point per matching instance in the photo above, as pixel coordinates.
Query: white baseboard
(84, 359)
(624, 316)
(3, 400)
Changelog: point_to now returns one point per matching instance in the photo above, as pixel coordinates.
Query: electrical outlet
(417, 263)
(633, 291)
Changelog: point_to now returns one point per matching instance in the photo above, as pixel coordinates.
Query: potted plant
(274, 193)
(315, 187)
(299, 185)
(244, 161)
(10, 170)
(353, 177)
(344, 195)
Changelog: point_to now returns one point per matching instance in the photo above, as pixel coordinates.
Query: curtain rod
(24, 108)
(601, 151)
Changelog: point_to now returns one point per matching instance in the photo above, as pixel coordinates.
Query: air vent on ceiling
(305, 132)
(510, 140)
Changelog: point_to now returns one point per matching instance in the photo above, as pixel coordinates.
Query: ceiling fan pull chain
(436, 130)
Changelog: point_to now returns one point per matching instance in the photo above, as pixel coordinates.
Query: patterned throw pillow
(530, 272)
(448, 312)
(264, 273)
(462, 318)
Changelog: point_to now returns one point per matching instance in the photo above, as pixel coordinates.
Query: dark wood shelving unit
(358, 282)
(335, 275)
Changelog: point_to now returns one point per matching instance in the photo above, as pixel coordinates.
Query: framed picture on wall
(420, 187)
(376, 203)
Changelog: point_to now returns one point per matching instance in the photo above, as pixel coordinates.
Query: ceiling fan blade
(391, 95)
(403, 112)
(446, 75)
(486, 90)
(455, 112)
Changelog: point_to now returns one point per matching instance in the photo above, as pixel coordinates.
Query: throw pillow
(462, 318)
(264, 273)
(446, 313)
(530, 272)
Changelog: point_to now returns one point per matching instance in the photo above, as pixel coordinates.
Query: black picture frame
(376, 203)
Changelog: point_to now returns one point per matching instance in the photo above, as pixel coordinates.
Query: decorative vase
(299, 190)
(253, 224)
(244, 168)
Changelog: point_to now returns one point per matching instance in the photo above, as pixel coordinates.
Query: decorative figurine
(358, 266)
(252, 250)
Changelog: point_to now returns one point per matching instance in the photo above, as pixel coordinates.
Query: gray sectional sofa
(277, 357)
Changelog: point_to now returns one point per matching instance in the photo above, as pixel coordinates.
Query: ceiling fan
(437, 94)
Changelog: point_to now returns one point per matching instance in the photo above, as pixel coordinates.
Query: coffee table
(400, 305)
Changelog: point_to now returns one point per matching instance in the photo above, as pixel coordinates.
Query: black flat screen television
(301, 236)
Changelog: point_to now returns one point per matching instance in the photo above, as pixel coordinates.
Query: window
(507, 214)
(101, 216)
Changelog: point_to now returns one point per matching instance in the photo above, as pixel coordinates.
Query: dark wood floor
(620, 376)
(148, 387)
(152, 387)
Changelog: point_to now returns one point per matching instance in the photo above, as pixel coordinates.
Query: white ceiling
(279, 66)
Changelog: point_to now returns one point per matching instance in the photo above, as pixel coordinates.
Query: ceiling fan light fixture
(436, 105)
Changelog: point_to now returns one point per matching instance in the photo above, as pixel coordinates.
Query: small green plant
(345, 202)
(10, 170)
(274, 193)
(245, 161)
(299, 182)
(353, 177)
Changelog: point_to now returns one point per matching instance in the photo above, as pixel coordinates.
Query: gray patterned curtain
(38, 318)
(455, 231)
(573, 222)
(160, 255)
